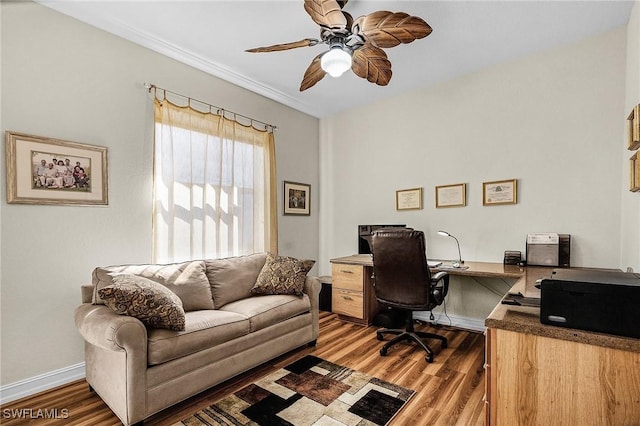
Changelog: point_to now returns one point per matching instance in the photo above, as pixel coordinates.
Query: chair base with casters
(411, 335)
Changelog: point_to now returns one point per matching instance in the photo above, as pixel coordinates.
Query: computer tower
(564, 253)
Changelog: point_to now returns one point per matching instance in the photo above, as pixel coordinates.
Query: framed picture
(43, 170)
(634, 173)
(297, 197)
(409, 199)
(499, 192)
(451, 195)
(633, 129)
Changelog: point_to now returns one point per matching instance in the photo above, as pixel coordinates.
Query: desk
(540, 374)
(353, 297)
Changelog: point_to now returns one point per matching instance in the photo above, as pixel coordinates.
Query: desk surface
(474, 269)
(520, 318)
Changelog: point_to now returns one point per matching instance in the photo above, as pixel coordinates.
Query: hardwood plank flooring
(450, 391)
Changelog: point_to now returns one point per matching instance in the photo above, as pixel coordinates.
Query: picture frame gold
(296, 198)
(79, 176)
(634, 173)
(409, 199)
(454, 195)
(633, 129)
(500, 192)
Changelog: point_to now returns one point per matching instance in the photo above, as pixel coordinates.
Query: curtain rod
(150, 87)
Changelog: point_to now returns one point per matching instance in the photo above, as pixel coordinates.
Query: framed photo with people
(42, 170)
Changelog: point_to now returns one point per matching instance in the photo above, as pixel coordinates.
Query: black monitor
(365, 231)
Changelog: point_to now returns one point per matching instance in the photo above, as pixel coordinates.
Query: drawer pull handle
(345, 271)
(347, 298)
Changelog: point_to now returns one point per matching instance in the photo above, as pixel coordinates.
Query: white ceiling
(467, 36)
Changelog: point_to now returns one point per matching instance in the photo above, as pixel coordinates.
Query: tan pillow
(187, 280)
(232, 278)
(150, 302)
(282, 275)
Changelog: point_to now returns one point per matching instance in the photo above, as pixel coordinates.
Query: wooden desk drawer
(347, 302)
(347, 277)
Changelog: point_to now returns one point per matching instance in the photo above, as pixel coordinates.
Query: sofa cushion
(150, 302)
(264, 311)
(187, 280)
(203, 330)
(282, 275)
(233, 278)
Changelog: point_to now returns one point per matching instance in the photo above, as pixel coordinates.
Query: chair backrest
(401, 273)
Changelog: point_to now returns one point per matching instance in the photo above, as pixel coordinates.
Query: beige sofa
(139, 370)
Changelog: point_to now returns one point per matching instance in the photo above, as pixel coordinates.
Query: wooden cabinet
(538, 374)
(353, 297)
(537, 380)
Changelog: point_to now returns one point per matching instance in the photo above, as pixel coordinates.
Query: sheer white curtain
(214, 186)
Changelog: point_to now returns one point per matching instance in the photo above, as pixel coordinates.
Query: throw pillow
(187, 280)
(233, 278)
(150, 302)
(282, 275)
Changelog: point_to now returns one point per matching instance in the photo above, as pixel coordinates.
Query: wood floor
(448, 392)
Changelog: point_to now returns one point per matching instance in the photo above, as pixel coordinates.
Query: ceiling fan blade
(371, 62)
(285, 46)
(389, 29)
(313, 74)
(326, 13)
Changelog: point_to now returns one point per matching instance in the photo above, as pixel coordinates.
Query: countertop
(523, 319)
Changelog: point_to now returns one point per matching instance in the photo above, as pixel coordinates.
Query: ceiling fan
(355, 44)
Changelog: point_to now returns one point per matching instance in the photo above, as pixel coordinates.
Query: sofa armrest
(312, 288)
(86, 291)
(102, 327)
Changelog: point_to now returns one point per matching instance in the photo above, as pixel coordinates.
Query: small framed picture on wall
(297, 198)
(451, 195)
(409, 199)
(500, 192)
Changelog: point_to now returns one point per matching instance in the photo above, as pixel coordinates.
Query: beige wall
(630, 230)
(65, 79)
(552, 120)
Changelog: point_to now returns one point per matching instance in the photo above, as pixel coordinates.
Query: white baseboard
(468, 323)
(42, 382)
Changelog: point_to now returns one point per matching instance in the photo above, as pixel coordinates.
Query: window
(214, 186)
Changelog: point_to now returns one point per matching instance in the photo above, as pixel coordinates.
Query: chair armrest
(441, 276)
(102, 327)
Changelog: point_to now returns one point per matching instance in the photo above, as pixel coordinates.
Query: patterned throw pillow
(150, 302)
(282, 275)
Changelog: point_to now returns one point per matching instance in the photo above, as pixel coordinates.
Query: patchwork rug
(310, 391)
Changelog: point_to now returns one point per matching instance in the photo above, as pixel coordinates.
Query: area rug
(308, 392)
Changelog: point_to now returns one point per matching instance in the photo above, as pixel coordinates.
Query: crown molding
(83, 13)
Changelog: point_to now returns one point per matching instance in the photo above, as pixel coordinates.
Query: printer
(549, 249)
(605, 301)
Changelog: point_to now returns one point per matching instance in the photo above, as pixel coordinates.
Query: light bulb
(336, 61)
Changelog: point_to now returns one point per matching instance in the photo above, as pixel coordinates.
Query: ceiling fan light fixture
(336, 61)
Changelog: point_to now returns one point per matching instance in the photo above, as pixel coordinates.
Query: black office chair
(402, 280)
